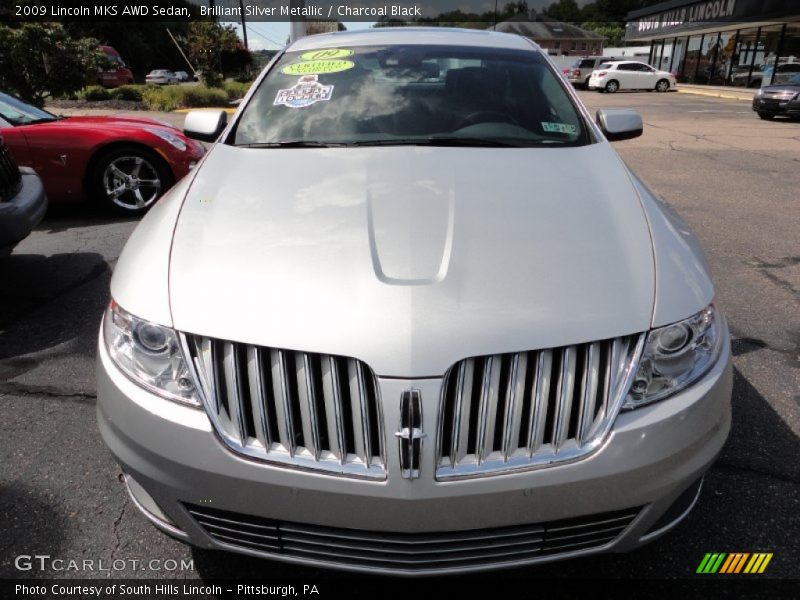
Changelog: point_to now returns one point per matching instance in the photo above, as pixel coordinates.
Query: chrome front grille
(412, 551)
(782, 95)
(517, 411)
(315, 411)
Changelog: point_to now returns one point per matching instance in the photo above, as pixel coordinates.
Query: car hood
(114, 122)
(783, 87)
(411, 258)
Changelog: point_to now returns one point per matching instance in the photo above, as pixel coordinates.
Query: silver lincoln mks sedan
(412, 314)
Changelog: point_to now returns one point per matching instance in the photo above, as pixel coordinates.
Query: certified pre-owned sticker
(559, 127)
(317, 67)
(326, 54)
(305, 92)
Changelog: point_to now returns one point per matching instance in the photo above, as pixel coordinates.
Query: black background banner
(255, 10)
(500, 585)
(406, 11)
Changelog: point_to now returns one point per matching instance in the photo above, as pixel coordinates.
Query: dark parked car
(22, 201)
(774, 100)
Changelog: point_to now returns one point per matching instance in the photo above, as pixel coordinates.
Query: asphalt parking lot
(732, 177)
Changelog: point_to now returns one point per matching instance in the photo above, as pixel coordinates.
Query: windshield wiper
(459, 140)
(436, 140)
(293, 144)
(444, 141)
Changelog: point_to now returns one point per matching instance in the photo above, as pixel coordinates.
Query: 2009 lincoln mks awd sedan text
(383, 326)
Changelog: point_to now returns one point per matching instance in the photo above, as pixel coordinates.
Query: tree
(39, 60)
(144, 45)
(611, 11)
(206, 43)
(613, 32)
(564, 10)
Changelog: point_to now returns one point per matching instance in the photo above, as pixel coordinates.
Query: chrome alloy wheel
(663, 85)
(131, 182)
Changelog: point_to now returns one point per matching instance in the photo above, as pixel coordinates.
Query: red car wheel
(129, 179)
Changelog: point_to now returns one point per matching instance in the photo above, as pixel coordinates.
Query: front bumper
(183, 162)
(790, 108)
(174, 459)
(23, 212)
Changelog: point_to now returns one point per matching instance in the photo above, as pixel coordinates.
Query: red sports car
(126, 163)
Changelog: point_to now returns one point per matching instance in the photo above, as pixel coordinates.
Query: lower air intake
(412, 552)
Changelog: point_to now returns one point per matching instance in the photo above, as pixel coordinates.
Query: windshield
(391, 95)
(17, 112)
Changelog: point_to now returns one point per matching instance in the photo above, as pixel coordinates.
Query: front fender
(683, 277)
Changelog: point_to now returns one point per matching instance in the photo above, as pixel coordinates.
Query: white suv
(630, 75)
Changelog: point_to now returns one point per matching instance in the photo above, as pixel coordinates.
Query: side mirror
(619, 123)
(205, 125)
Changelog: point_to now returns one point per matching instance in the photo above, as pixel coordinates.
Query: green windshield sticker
(317, 67)
(326, 54)
(559, 127)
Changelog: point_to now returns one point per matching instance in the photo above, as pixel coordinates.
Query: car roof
(415, 35)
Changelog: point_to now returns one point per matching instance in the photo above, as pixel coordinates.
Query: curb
(714, 95)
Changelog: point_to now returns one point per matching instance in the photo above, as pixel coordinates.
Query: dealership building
(744, 43)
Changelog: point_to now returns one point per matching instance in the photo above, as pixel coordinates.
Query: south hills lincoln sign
(702, 12)
(681, 17)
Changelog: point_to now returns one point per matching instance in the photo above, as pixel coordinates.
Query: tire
(612, 86)
(662, 85)
(586, 83)
(766, 116)
(129, 179)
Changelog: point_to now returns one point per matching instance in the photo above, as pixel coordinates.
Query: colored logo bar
(734, 562)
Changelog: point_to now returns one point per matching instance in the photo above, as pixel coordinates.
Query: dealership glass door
(789, 60)
(744, 57)
(721, 56)
(678, 52)
(767, 56)
(691, 60)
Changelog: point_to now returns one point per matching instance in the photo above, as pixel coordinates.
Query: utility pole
(178, 46)
(298, 27)
(244, 25)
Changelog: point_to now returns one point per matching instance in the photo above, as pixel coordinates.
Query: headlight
(675, 356)
(172, 139)
(149, 354)
(758, 93)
